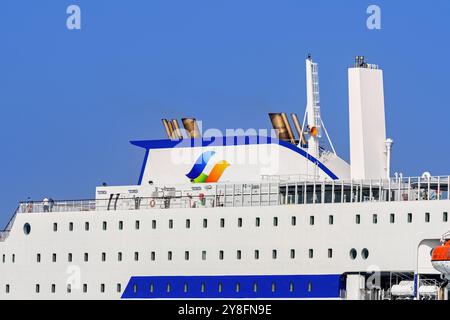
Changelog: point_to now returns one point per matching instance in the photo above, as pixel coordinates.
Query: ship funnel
(281, 124)
(298, 128)
(368, 156)
(190, 124)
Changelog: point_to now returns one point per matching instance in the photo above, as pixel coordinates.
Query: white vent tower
(368, 147)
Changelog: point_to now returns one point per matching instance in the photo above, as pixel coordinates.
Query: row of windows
(258, 221)
(187, 255)
(219, 288)
(168, 287)
(68, 288)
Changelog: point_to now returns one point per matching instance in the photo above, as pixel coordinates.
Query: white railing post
(409, 189)
(332, 192)
(439, 188)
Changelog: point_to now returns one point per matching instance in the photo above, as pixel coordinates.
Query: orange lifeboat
(440, 259)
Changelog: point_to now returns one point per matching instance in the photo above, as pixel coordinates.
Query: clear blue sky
(71, 100)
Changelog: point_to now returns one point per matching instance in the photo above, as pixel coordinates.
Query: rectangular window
(186, 255)
(410, 217)
(54, 257)
(293, 221)
(188, 223)
(71, 226)
(153, 224)
(256, 254)
(274, 254)
(330, 219)
(445, 216)
(85, 287)
(69, 257)
(169, 255)
(3, 258)
(86, 257)
(55, 227)
(239, 222)
(7, 288)
(170, 224)
(119, 288)
(358, 219)
(136, 256)
(137, 224)
(258, 221)
(330, 253)
(153, 256)
(311, 253)
(103, 256)
(205, 223)
(86, 226)
(222, 223)
(119, 256)
(221, 254)
(275, 221)
(392, 218)
(427, 217)
(53, 288)
(203, 255)
(292, 253)
(311, 220)
(374, 219)
(38, 288)
(38, 257)
(102, 287)
(69, 288)
(13, 258)
(238, 254)
(104, 225)
(120, 225)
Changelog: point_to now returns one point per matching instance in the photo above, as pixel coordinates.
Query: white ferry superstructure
(247, 216)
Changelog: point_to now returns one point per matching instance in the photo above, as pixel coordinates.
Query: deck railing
(266, 193)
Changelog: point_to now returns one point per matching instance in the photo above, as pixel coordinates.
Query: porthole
(365, 253)
(353, 254)
(27, 228)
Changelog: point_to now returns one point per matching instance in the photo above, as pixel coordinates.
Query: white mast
(312, 106)
(312, 112)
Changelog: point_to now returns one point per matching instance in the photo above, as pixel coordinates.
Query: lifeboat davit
(440, 259)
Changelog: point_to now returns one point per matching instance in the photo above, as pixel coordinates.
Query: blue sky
(70, 101)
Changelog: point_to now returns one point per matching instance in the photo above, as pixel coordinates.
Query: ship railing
(5, 232)
(264, 193)
(369, 190)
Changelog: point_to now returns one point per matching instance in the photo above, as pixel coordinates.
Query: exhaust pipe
(190, 125)
(168, 128)
(288, 127)
(279, 125)
(177, 129)
(298, 128)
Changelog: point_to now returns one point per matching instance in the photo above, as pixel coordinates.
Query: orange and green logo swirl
(198, 174)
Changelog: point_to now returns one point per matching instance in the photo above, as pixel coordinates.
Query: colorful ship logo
(197, 173)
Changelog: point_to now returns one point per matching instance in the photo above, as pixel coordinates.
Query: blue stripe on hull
(267, 286)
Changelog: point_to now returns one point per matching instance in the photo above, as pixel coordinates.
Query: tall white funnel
(367, 122)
